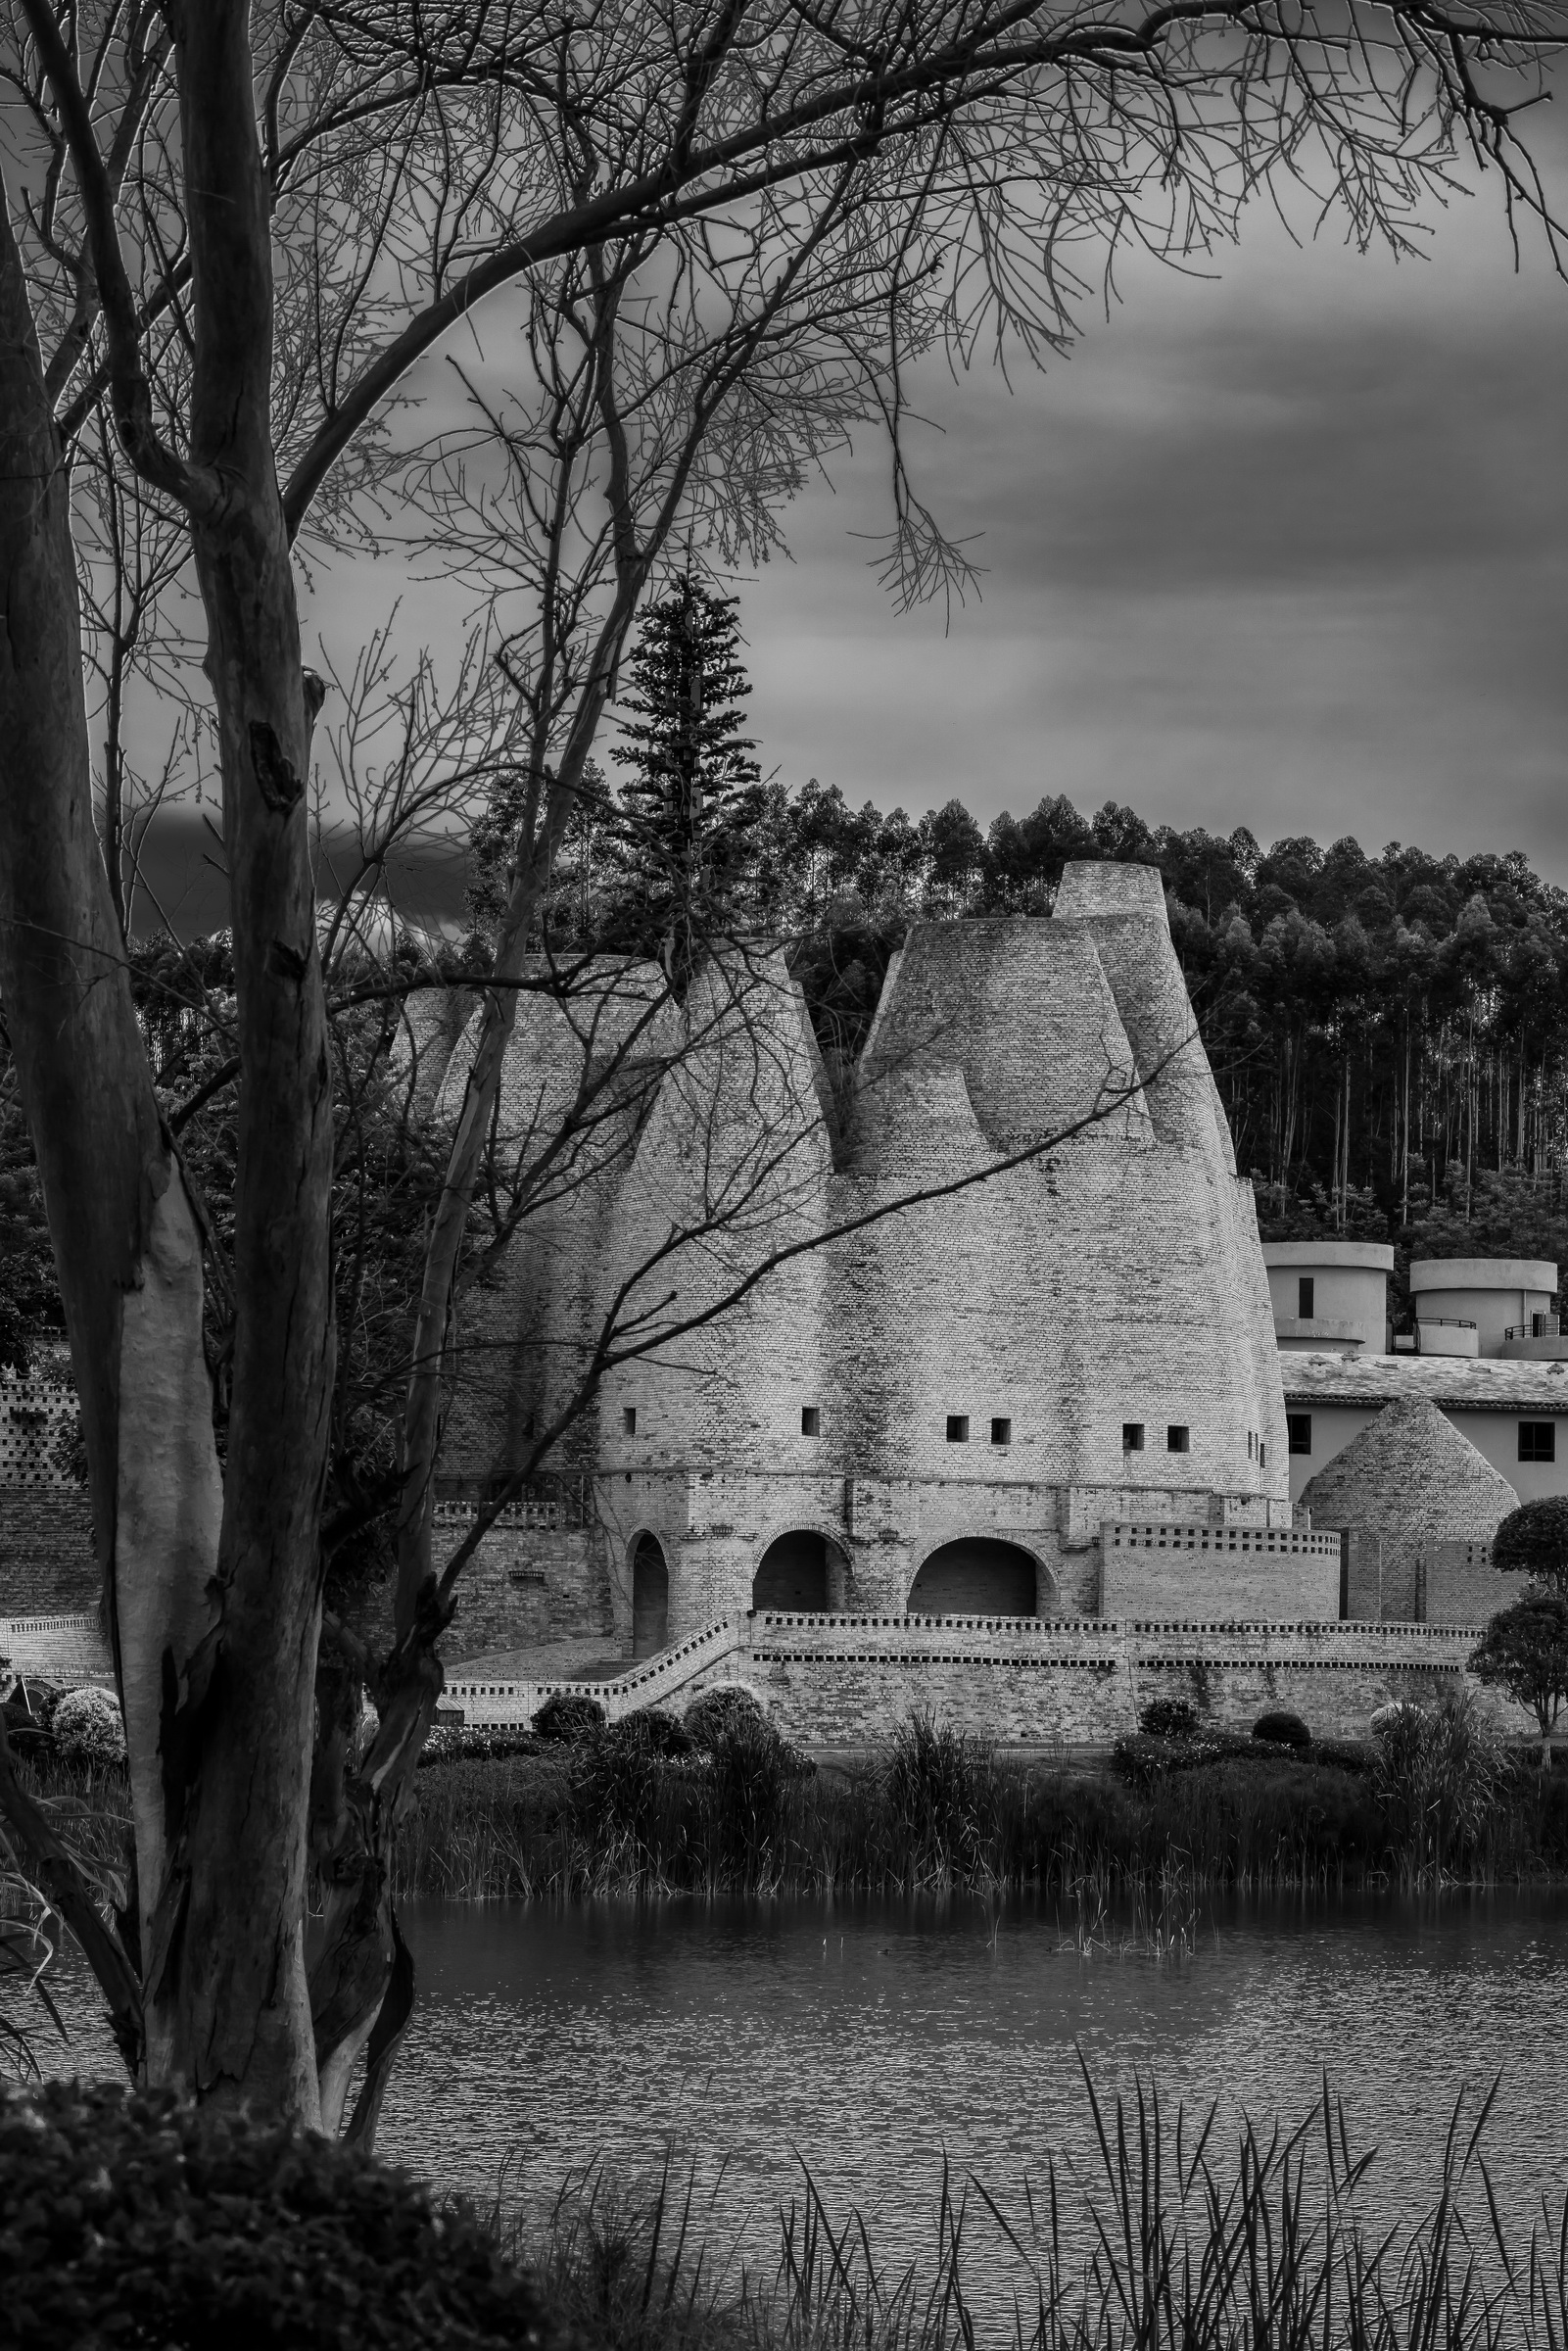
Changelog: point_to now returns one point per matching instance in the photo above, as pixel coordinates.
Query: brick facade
(989, 1375)
(46, 1551)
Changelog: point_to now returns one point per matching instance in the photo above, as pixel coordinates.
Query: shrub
(87, 1728)
(1169, 1719)
(133, 2217)
(647, 1732)
(1283, 1728)
(1440, 1774)
(568, 1715)
(453, 1742)
(940, 1798)
(717, 1712)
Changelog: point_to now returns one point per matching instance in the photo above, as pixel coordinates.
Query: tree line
(1389, 1031)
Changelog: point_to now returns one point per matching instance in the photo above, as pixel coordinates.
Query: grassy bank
(605, 1817)
(608, 1816)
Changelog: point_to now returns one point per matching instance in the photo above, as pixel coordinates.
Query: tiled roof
(1474, 1384)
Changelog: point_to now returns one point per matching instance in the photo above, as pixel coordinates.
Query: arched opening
(650, 1598)
(976, 1576)
(799, 1571)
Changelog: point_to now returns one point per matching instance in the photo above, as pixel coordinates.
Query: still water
(868, 2039)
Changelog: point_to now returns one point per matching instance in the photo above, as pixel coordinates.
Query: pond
(866, 2039)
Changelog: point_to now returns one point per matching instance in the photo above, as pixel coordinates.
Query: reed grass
(1182, 2239)
(940, 1811)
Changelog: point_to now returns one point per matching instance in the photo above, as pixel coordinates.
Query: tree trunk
(127, 1243)
(228, 1961)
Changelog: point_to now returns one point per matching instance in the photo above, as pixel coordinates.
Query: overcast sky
(1283, 546)
(1287, 547)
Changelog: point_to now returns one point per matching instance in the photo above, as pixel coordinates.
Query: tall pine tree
(691, 787)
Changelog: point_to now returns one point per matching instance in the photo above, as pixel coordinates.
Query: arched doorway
(802, 1571)
(976, 1576)
(650, 1598)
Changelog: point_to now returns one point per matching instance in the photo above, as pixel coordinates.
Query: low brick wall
(848, 1681)
(1252, 1573)
(58, 1649)
(46, 1551)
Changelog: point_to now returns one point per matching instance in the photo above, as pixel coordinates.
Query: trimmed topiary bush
(568, 1715)
(88, 1729)
(133, 2217)
(1169, 1719)
(1282, 1729)
(718, 1714)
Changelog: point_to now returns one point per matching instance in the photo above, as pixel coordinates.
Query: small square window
(1537, 1440)
(1132, 1436)
(629, 1421)
(1298, 1431)
(958, 1428)
(1305, 1291)
(1001, 1432)
(1176, 1437)
(810, 1420)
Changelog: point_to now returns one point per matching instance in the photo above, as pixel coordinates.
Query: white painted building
(1488, 1350)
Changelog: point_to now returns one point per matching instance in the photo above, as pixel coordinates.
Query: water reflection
(868, 2039)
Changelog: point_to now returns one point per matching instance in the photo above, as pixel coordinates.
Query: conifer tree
(692, 785)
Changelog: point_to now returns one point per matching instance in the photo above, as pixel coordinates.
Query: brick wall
(527, 1587)
(1213, 1573)
(1460, 1585)
(850, 1680)
(46, 1552)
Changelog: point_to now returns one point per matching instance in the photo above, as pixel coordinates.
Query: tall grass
(1176, 2243)
(941, 1810)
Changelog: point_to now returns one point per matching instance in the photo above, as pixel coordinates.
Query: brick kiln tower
(940, 1409)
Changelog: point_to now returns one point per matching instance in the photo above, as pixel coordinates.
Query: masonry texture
(1068, 1324)
(1407, 1484)
(849, 1681)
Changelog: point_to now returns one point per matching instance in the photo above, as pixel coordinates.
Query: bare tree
(242, 233)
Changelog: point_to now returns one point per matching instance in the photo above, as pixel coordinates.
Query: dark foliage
(1525, 1651)
(139, 2220)
(1532, 1541)
(568, 1715)
(649, 1732)
(1282, 1728)
(1169, 1719)
(716, 1713)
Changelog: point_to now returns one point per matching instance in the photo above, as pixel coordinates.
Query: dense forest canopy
(1389, 1031)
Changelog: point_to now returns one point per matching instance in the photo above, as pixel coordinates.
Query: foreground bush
(86, 1727)
(137, 2220)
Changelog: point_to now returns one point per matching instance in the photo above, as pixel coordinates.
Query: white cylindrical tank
(1329, 1297)
(1484, 1306)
